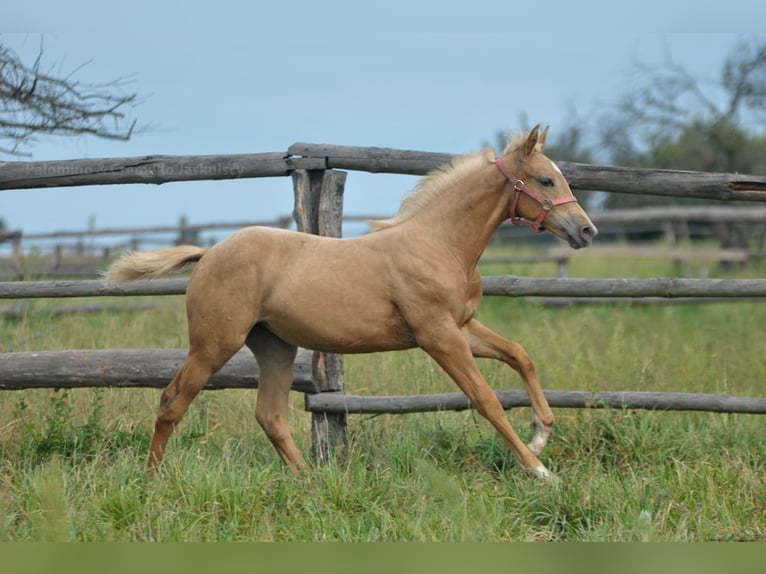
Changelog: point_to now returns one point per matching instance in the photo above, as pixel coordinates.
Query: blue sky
(242, 77)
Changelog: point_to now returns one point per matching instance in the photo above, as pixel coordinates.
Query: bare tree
(35, 101)
(672, 103)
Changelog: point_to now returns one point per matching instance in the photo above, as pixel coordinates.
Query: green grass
(73, 461)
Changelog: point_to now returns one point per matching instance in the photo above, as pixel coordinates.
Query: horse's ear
(532, 139)
(543, 135)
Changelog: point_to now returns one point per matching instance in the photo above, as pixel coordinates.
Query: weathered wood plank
(159, 169)
(542, 258)
(153, 368)
(306, 186)
(319, 210)
(674, 183)
(89, 288)
(372, 159)
(62, 234)
(401, 404)
(513, 286)
(330, 207)
(561, 302)
(21, 311)
(652, 252)
(665, 182)
(714, 214)
(155, 169)
(495, 285)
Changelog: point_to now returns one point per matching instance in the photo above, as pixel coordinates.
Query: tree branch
(35, 102)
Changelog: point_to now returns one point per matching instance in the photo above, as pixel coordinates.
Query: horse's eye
(546, 182)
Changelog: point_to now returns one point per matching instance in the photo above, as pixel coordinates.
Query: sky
(250, 77)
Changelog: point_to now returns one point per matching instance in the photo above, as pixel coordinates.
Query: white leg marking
(540, 436)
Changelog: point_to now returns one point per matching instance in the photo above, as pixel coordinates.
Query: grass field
(73, 461)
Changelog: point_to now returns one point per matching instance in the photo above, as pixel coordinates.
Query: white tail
(147, 264)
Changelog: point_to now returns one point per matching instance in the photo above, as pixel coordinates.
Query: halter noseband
(545, 204)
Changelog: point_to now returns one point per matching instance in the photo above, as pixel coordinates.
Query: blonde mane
(443, 177)
(433, 184)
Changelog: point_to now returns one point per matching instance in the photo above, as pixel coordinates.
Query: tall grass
(73, 461)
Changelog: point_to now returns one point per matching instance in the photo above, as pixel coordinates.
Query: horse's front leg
(450, 348)
(488, 344)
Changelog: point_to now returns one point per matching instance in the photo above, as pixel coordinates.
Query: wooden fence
(318, 190)
(160, 169)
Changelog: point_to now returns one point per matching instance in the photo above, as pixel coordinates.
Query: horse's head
(541, 197)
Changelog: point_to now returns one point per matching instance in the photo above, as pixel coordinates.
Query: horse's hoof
(542, 473)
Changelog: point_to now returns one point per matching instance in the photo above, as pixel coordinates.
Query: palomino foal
(414, 282)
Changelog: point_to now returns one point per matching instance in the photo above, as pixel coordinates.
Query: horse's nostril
(588, 232)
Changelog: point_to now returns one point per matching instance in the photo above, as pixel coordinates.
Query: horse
(412, 282)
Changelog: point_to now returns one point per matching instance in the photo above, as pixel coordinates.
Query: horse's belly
(338, 328)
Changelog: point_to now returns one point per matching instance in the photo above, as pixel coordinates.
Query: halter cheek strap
(520, 187)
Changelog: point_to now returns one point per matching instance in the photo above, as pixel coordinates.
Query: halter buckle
(519, 185)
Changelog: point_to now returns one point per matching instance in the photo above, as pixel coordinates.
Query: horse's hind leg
(200, 365)
(488, 344)
(220, 316)
(174, 402)
(275, 363)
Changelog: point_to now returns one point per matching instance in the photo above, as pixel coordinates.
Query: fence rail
(653, 215)
(89, 288)
(670, 287)
(151, 368)
(674, 183)
(160, 169)
(402, 404)
(283, 221)
(157, 169)
(494, 285)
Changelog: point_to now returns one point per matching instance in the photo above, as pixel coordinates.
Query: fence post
(319, 210)
(16, 251)
(58, 255)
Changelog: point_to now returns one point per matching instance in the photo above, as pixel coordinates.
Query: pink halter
(545, 204)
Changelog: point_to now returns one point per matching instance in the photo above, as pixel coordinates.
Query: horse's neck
(466, 217)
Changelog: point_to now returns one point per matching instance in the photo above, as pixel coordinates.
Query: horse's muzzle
(583, 237)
